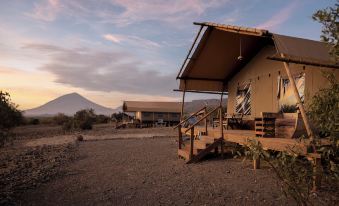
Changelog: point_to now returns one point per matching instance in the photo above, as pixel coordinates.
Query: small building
(154, 113)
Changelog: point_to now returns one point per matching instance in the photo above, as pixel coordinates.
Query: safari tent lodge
(152, 114)
(269, 80)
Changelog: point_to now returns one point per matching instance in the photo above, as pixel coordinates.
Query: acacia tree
(329, 19)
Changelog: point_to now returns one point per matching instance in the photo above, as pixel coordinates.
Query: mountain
(68, 104)
(195, 105)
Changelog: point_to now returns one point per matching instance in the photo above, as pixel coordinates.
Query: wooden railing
(204, 117)
(185, 120)
(191, 127)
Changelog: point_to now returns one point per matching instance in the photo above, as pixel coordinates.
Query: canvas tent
(154, 112)
(213, 65)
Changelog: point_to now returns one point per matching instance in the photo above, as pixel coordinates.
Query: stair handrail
(204, 117)
(185, 120)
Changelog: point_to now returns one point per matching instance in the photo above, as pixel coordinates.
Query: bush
(68, 125)
(61, 119)
(34, 121)
(288, 109)
(101, 119)
(84, 119)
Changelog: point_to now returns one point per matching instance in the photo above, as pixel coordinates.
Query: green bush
(84, 119)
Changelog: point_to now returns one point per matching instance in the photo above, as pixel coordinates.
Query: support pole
(256, 163)
(206, 122)
(299, 103)
(221, 120)
(181, 116)
(192, 143)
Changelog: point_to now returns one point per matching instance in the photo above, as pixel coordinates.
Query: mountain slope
(67, 104)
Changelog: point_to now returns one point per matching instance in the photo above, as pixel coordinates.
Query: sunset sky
(115, 50)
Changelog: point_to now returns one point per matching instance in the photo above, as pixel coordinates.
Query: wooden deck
(243, 136)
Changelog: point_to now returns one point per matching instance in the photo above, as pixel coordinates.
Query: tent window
(243, 99)
(285, 91)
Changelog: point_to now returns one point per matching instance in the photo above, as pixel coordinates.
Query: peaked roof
(213, 61)
(135, 106)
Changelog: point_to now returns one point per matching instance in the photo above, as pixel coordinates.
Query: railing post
(180, 137)
(192, 143)
(206, 122)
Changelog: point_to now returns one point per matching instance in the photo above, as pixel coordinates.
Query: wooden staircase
(201, 148)
(198, 145)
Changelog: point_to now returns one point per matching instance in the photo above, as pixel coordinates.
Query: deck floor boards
(269, 143)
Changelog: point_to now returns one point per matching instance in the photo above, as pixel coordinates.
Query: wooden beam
(189, 52)
(202, 79)
(196, 91)
(299, 102)
(288, 60)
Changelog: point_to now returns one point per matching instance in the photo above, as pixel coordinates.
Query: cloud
(131, 40)
(282, 16)
(113, 71)
(176, 11)
(46, 11)
(125, 12)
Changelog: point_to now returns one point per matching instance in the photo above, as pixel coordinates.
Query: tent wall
(263, 76)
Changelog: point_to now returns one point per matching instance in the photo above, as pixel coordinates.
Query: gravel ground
(27, 167)
(148, 172)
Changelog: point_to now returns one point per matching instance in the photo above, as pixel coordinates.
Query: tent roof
(214, 60)
(136, 106)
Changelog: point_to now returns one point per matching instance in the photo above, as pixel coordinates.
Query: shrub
(288, 109)
(84, 119)
(34, 121)
(101, 119)
(68, 125)
(61, 119)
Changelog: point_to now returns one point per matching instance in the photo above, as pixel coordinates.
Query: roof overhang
(145, 106)
(213, 61)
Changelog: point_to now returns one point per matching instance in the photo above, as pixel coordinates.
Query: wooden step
(208, 139)
(200, 144)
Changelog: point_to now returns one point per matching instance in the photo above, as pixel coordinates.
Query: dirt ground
(124, 167)
(148, 172)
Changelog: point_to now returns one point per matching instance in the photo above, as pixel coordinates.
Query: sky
(115, 50)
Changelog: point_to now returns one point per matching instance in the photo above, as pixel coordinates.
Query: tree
(329, 19)
(10, 116)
